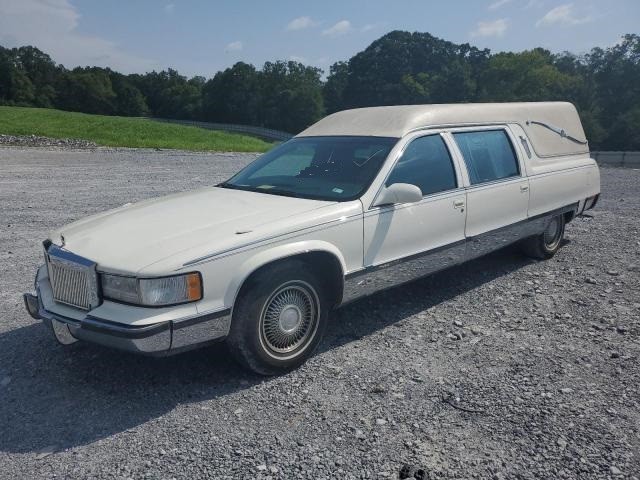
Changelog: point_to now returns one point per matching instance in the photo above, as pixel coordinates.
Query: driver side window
(426, 163)
(289, 164)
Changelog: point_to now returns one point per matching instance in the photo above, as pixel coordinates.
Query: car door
(496, 186)
(406, 241)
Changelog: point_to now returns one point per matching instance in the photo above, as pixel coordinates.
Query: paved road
(501, 368)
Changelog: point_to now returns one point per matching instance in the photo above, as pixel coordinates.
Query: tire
(545, 245)
(279, 318)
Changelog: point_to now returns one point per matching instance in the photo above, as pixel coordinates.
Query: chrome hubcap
(289, 318)
(552, 234)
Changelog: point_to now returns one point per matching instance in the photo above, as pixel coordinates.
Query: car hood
(131, 237)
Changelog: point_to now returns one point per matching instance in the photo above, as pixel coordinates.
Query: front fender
(271, 255)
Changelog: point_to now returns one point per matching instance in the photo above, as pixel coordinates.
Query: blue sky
(202, 37)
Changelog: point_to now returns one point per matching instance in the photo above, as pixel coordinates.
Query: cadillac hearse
(363, 200)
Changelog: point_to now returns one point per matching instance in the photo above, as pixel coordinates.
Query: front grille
(73, 279)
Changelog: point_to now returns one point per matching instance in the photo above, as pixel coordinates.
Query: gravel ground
(501, 368)
(35, 141)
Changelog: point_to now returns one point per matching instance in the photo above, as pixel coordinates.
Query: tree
(403, 67)
(169, 94)
(129, 100)
(334, 87)
(233, 96)
(526, 76)
(291, 95)
(87, 90)
(616, 72)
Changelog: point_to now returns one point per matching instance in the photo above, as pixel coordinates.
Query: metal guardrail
(261, 132)
(618, 159)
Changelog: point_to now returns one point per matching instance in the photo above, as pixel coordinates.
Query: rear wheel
(546, 245)
(279, 318)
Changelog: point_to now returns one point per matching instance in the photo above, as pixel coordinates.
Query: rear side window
(488, 155)
(427, 164)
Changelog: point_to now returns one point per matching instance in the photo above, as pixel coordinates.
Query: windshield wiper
(276, 191)
(270, 191)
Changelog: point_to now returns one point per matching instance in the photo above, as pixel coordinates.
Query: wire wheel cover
(553, 233)
(289, 318)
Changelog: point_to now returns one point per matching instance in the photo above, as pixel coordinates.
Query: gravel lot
(501, 368)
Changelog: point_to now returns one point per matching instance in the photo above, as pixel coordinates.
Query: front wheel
(279, 318)
(546, 245)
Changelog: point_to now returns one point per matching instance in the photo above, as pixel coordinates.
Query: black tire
(545, 245)
(259, 338)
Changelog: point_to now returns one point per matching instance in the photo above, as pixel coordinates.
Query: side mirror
(398, 193)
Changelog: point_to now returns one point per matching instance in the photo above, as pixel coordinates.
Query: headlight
(152, 292)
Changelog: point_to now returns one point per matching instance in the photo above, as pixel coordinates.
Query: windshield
(324, 168)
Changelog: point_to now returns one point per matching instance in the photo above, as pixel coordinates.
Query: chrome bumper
(159, 339)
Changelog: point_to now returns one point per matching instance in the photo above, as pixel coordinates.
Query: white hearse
(363, 200)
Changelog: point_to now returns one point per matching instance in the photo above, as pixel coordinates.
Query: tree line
(398, 68)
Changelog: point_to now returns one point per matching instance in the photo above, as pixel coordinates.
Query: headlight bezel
(194, 291)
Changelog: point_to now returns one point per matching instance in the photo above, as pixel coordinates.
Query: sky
(200, 37)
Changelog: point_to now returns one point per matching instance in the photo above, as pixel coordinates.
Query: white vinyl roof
(553, 128)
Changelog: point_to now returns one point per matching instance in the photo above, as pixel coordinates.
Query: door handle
(458, 204)
(524, 188)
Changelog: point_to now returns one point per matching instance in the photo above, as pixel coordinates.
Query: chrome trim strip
(463, 125)
(391, 263)
(374, 278)
(189, 332)
(501, 181)
(393, 273)
(256, 243)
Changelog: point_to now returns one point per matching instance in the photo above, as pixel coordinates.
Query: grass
(122, 131)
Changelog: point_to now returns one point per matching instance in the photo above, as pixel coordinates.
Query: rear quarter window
(488, 155)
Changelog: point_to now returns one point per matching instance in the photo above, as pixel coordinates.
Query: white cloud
(51, 25)
(169, 7)
(301, 23)
(498, 3)
(533, 4)
(341, 28)
(368, 27)
(296, 58)
(563, 15)
(236, 46)
(495, 28)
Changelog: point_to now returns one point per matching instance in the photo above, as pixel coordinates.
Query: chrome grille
(73, 279)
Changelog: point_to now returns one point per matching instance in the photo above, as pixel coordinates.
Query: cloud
(533, 4)
(169, 7)
(496, 28)
(236, 46)
(368, 27)
(498, 3)
(301, 23)
(341, 28)
(296, 58)
(563, 15)
(51, 25)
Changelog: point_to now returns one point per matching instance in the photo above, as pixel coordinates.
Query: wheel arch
(323, 257)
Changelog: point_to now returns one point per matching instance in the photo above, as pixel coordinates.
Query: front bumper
(159, 339)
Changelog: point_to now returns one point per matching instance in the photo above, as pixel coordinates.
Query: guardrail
(262, 132)
(617, 159)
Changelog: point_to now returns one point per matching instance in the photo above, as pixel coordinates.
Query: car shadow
(57, 397)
